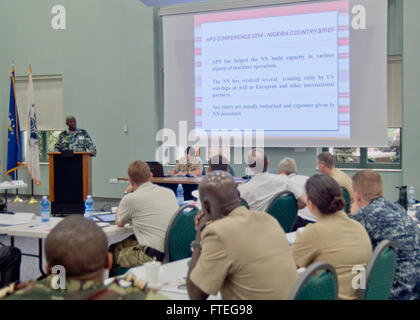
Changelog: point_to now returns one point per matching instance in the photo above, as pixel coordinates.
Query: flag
(14, 145)
(32, 147)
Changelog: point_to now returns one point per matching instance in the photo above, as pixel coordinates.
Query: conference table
(40, 230)
(189, 184)
(183, 180)
(7, 185)
(172, 277)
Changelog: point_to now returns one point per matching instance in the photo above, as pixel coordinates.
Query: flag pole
(14, 166)
(32, 151)
(32, 200)
(17, 199)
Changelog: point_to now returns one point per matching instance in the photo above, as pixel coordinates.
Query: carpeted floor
(29, 266)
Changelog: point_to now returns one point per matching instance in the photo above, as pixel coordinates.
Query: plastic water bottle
(89, 208)
(45, 209)
(180, 195)
(411, 197)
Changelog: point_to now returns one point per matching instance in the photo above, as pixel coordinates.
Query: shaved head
(218, 194)
(78, 245)
(70, 118)
(71, 123)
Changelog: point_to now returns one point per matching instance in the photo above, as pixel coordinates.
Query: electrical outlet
(113, 181)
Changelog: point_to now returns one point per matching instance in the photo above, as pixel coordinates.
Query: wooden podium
(70, 181)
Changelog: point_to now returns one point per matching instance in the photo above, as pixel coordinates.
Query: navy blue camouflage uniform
(384, 220)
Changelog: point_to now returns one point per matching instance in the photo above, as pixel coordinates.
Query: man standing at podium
(74, 139)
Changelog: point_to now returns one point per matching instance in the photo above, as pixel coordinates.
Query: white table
(40, 230)
(173, 275)
(6, 185)
(172, 279)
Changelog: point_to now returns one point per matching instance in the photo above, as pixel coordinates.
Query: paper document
(13, 184)
(16, 219)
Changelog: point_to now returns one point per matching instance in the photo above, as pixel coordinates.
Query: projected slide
(285, 70)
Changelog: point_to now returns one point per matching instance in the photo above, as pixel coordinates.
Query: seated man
(218, 163)
(188, 165)
(80, 246)
(242, 254)
(288, 168)
(10, 259)
(259, 191)
(75, 139)
(326, 166)
(384, 220)
(149, 208)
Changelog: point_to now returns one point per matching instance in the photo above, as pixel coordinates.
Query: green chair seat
(380, 271)
(244, 203)
(283, 207)
(347, 201)
(120, 271)
(318, 282)
(180, 233)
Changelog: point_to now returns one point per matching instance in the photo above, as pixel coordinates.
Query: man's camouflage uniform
(384, 220)
(81, 290)
(188, 166)
(128, 253)
(78, 141)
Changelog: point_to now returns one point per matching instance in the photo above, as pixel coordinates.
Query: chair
(283, 207)
(380, 271)
(323, 286)
(231, 171)
(346, 196)
(244, 203)
(180, 233)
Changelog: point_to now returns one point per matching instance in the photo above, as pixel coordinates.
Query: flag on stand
(14, 145)
(32, 147)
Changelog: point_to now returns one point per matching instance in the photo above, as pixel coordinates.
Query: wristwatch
(195, 244)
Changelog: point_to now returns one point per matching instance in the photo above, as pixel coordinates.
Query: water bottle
(89, 208)
(45, 209)
(411, 198)
(180, 195)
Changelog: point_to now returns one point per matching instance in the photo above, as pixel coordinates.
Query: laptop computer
(106, 217)
(156, 168)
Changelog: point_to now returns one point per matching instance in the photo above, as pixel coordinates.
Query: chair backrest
(244, 203)
(231, 171)
(180, 233)
(283, 207)
(380, 272)
(323, 286)
(346, 196)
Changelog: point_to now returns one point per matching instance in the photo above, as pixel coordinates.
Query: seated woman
(335, 239)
